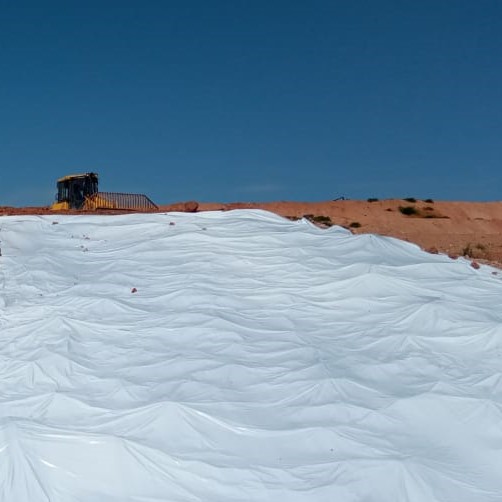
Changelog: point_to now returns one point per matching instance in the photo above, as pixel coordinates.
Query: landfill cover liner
(240, 356)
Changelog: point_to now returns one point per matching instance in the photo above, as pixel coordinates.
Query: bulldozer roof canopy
(73, 176)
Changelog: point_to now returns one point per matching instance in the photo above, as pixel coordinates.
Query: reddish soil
(471, 229)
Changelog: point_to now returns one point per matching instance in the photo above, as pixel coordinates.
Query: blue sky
(252, 100)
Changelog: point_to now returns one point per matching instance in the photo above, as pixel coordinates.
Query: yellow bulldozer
(80, 192)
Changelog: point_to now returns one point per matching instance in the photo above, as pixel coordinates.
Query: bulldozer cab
(74, 189)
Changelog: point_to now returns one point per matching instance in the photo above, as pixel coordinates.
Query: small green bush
(429, 201)
(467, 251)
(475, 251)
(410, 199)
(321, 219)
(408, 210)
(355, 224)
(372, 199)
(326, 220)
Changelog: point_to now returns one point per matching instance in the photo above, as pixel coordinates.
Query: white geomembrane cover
(259, 360)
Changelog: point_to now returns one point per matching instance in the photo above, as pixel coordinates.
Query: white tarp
(258, 360)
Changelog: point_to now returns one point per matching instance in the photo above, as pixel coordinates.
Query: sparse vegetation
(408, 210)
(429, 201)
(427, 212)
(322, 219)
(476, 251)
(467, 251)
(410, 199)
(372, 199)
(325, 220)
(355, 224)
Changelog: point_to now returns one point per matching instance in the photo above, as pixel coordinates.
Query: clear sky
(252, 100)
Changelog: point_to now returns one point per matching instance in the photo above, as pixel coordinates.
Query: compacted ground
(472, 229)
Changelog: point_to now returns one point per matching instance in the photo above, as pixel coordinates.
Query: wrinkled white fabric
(259, 360)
